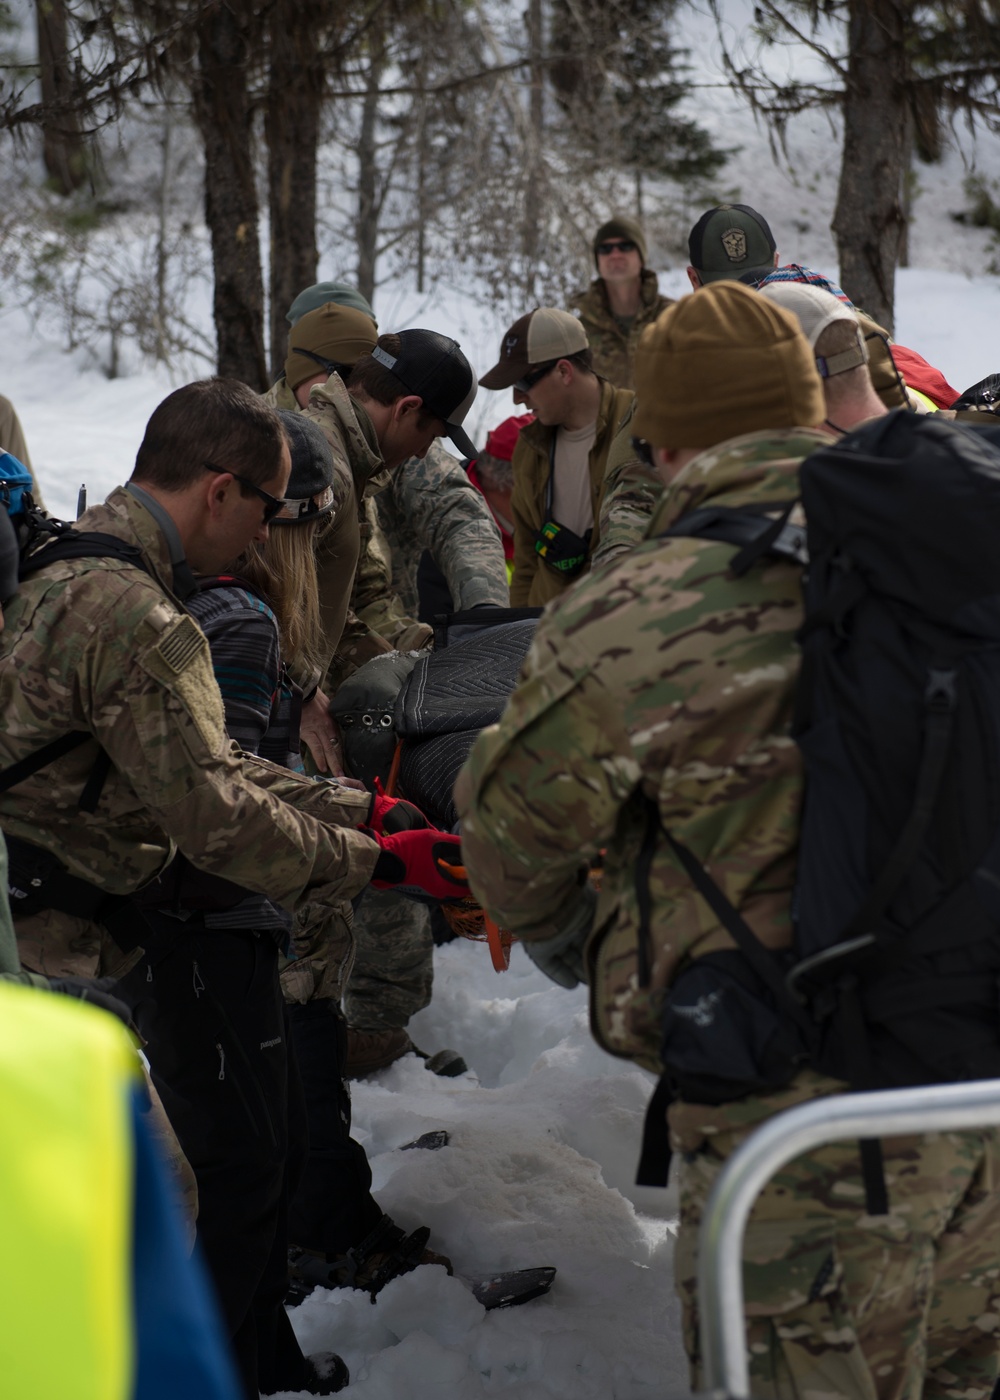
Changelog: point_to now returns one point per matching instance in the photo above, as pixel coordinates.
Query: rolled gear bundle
(364, 707)
(449, 697)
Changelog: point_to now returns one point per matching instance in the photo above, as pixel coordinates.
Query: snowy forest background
(173, 173)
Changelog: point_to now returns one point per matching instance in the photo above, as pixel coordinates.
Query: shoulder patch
(179, 647)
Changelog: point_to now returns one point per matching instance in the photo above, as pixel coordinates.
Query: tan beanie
(338, 335)
(722, 362)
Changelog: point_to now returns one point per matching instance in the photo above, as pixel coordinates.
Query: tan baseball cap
(544, 334)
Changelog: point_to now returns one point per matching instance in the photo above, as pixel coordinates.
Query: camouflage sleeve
(375, 606)
(358, 644)
(328, 800)
(161, 722)
(630, 494)
(431, 504)
(541, 791)
(337, 549)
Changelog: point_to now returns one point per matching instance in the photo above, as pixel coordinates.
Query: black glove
(95, 990)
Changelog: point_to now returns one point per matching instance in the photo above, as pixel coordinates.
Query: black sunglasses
(644, 451)
(620, 245)
(331, 366)
(528, 381)
(272, 504)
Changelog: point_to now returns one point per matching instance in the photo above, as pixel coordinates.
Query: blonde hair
(284, 571)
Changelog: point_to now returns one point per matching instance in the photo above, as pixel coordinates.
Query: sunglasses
(273, 505)
(620, 245)
(528, 381)
(644, 451)
(330, 366)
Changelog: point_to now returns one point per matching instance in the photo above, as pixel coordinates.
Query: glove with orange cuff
(424, 865)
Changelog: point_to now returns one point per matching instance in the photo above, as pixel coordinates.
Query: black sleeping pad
(449, 697)
(465, 686)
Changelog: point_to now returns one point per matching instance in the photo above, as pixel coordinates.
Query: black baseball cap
(433, 366)
(732, 242)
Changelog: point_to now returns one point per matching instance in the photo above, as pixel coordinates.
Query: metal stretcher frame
(883, 1113)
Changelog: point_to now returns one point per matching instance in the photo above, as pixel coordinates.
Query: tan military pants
(842, 1304)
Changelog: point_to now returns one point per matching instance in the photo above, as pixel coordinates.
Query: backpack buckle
(941, 695)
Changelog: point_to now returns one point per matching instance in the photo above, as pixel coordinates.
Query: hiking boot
(384, 1254)
(326, 1373)
(368, 1051)
(448, 1063)
(320, 1373)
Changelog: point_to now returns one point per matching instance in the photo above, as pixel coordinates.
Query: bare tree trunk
(222, 112)
(906, 192)
(368, 202)
(419, 141)
(291, 126)
(868, 219)
(536, 117)
(163, 213)
(64, 150)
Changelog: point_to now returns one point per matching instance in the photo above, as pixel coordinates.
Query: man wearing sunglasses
(621, 301)
(559, 459)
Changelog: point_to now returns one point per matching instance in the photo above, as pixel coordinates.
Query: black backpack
(894, 976)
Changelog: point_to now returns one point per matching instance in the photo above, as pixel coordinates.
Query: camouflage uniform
(348, 542)
(533, 583)
(632, 491)
(425, 504)
(431, 504)
(613, 341)
(662, 677)
(97, 645)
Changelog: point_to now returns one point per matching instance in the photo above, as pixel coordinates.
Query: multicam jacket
(533, 583)
(98, 645)
(614, 344)
(658, 677)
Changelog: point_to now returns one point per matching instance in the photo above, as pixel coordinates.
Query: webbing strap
(741, 933)
(41, 758)
(654, 1158)
(940, 699)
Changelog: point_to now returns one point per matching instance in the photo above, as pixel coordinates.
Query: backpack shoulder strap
(75, 544)
(71, 544)
(756, 530)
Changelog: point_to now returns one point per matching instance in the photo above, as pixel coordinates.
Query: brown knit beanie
(338, 335)
(723, 362)
(621, 227)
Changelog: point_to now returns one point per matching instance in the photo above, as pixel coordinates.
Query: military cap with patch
(544, 334)
(734, 242)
